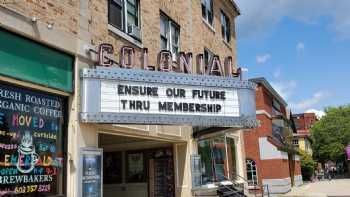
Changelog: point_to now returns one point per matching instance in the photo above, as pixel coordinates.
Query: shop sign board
(32, 130)
(119, 95)
(348, 152)
(91, 172)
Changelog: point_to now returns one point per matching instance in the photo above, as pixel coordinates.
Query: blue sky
(301, 47)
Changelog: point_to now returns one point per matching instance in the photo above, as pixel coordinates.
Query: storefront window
(135, 167)
(112, 168)
(232, 160)
(218, 158)
(32, 142)
(204, 150)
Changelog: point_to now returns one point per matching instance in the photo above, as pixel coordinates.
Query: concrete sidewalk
(339, 187)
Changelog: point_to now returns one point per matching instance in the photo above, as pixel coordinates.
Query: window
(204, 150)
(252, 174)
(276, 108)
(169, 35)
(207, 11)
(37, 148)
(225, 27)
(124, 15)
(112, 167)
(218, 158)
(135, 167)
(295, 142)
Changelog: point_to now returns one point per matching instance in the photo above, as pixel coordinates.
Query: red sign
(165, 63)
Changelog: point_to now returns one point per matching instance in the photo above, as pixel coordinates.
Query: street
(339, 187)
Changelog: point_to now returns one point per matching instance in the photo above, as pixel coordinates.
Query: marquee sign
(133, 96)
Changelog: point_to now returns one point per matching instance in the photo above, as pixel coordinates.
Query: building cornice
(263, 112)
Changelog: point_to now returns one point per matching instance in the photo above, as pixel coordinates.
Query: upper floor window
(124, 15)
(169, 35)
(207, 11)
(276, 108)
(252, 173)
(295, 142)
(225, 27)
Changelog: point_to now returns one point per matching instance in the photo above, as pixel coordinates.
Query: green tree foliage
(331, 134)
(307, 165)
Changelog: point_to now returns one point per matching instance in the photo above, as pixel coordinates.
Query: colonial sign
(166, 63)
(169, 93)
(31, 142)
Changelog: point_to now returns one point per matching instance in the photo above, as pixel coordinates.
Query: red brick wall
(267, 169)
(310, 118)
(306, 120)
(297, 168)
(275, 169)
(251, 145)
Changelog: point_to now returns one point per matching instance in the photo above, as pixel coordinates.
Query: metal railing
(263, 188)
(241, 186)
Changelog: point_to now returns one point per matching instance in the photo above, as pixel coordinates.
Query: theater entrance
(135, 167)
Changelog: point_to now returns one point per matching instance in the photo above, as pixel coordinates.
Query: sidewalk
(338, 187)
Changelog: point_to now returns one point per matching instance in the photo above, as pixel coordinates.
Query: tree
(307, 165)
(331, 135)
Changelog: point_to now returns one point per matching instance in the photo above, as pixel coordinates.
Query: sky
(302, 47)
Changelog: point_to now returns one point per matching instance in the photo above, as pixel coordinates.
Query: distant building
(270, 157)
(303, 123)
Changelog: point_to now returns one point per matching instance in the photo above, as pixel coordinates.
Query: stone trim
(263, 112)
(278, 186)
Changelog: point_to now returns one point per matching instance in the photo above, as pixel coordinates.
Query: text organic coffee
(31, 142)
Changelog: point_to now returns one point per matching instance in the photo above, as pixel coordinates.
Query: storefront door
(135, 167)
(162, 176)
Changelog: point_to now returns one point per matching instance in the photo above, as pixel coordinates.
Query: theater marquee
(118, 95)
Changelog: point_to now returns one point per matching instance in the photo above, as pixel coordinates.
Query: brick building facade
(303, 123)
(62, 40)
(270, 165)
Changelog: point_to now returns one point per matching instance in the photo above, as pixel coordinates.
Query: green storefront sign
(26, 60)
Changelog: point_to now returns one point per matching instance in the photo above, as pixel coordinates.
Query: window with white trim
(252, 173)
(295, 142)
(125, 16)
(225, 27)
(207, 11)
(169, 35)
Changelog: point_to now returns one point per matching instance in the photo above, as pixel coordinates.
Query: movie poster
(32, 128)
(91, 178)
